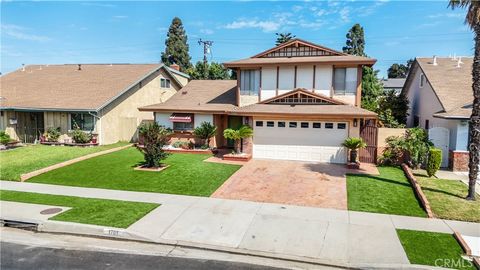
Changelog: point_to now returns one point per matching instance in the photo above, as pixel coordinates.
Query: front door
(440, 137)
(234, 122)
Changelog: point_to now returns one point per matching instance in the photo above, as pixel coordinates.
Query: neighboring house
(395, 84)
(440, 94)
(302, 100)
(98, 98)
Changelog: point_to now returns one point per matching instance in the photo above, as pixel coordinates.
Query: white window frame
(165, 83)
(244, 90)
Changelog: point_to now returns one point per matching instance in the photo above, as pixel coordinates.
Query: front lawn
(119, 214)
(436, 249)
(188, 174)
(388, 193)
(447, 199)
(29, 158)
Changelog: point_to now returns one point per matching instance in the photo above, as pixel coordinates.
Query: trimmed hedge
(434, 161)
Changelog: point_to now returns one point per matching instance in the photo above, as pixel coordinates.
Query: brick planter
(237, 157)
(192, 151)
(418, 190)
(147, 169)
(353, 165)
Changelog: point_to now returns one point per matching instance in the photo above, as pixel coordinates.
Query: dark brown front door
(368, 132)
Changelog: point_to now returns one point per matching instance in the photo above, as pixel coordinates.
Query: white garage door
(300, 140)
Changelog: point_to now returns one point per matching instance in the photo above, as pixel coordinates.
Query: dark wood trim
(295, 78)
(278, 74)
(358, 98)
(332, 90)
(238, 86)
(260, 88)
(314, 77)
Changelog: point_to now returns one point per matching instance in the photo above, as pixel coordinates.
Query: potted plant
(237, 135)
(353, 144)
(205, 132)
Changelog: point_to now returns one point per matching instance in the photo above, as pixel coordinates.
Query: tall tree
(283, 37)
(355, 41)
(399, 70)
(473, 20)
(176, 46)
(372, 88)
(214, 71)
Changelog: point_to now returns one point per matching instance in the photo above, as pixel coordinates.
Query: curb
(29, 175)
(418, 190)
(462, 243)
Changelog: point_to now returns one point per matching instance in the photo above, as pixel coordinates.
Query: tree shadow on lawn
(442, 191)
(381, 179)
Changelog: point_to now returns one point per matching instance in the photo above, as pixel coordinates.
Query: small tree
(80, 136)
(205, 132)
(353, 144)
(283, 37)
(416, 145)
(154, 137)
(52, 134)
(237, 135)
(434, 161)
(4, 138)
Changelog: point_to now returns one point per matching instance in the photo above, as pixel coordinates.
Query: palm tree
(237, 135)
(473, 20)
(283, 37)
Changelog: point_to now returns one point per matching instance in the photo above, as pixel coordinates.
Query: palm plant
(473, 20)
(237, 135)
(205, 132)
(353, 144)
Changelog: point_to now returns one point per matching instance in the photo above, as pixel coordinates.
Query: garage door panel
(306, 144)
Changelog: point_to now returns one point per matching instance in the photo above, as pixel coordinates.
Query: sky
(73, 32)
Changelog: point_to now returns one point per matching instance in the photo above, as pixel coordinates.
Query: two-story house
(302, 100)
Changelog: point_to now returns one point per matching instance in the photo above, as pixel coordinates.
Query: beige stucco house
(302, 100)
(98, 98)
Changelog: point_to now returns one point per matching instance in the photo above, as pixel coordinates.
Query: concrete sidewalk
(328, 235)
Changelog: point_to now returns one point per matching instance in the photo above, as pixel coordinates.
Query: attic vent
(79, 67)
(435, 60)
(184, 92)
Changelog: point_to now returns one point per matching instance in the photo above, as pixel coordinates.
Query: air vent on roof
(435, 60)
(79, 67)
(184, 92)
(23, 67)
(459, 62)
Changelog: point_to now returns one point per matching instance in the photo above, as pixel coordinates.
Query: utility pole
(206, 50)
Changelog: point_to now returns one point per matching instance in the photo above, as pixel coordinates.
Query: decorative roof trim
(298, 41)
(305, 92)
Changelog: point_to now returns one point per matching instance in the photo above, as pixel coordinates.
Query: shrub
(80, 136)
(155, 137)
(4, 138)
(237, 135)
(393, 153)
(354, 143)
(182, 144)
(416, 145)
(434, 161)
(52, 134)
(205, 131)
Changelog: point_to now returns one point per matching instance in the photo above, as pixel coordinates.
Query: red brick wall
(458, 160)
(247, 144)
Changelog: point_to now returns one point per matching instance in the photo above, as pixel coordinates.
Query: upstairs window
(249, 82)
(422, 80)
(164, 83)
(345, 81)
(82, 121)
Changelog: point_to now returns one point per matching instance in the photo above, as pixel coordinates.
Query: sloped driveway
(288, 182)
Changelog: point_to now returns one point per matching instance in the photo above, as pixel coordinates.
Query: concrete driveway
(289, 182)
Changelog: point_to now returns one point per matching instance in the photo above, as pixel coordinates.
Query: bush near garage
(434, 161)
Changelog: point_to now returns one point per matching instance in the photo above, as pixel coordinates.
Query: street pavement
(331, 236)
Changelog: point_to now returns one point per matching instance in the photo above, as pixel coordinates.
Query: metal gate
(368, 133)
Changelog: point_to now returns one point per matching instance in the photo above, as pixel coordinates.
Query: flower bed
(70, 144)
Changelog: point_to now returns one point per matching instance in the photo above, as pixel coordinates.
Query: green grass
(388, 193)
(29, 158)
(436, 249)
(447, 199)
(119, 214)
(188, 174)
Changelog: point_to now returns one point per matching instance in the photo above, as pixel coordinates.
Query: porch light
(179, 117)
(355, 122)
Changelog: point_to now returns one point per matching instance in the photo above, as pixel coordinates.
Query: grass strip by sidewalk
(15, 162)
(447, 199)
(119, 214)
(387, 193)
(436, 249)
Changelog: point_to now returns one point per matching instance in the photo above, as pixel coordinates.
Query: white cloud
(97, 4)
(266, 25)
(446, 15)
(162, 29)
(120, 17)
(20, 32)
(206, 31)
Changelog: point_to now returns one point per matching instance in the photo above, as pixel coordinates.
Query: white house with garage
(302, 100)
(440, 94)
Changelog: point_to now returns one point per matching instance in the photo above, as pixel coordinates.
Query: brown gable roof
(200, 96)
(299, 42)
(451, 84)
(64, 87)
(327, 60)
